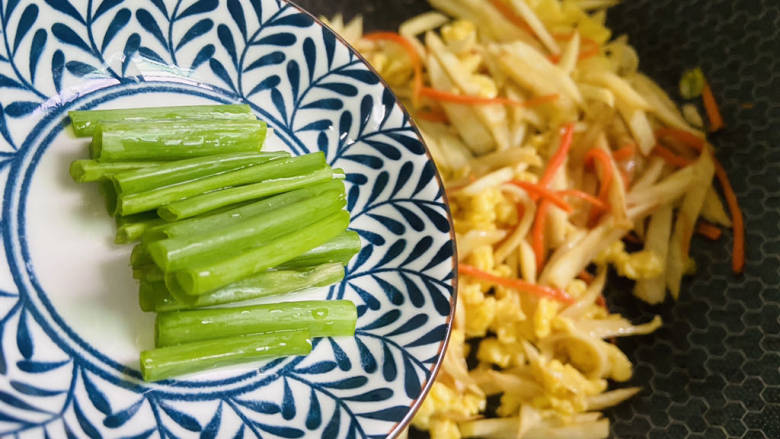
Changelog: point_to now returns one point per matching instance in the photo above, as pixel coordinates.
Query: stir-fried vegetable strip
(555, 153)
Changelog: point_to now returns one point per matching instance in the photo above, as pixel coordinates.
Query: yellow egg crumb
(444, 401)
(491, 351)
(442, 428)
(479, 316)
(638, 265)
(482, 258)
(458, 31)
(546, 311)
(487, 87)
(470, 293)
(470, 62)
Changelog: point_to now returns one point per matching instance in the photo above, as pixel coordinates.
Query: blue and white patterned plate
(70, 326)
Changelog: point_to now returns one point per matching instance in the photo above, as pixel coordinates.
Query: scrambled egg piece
(487, 87)
(469, 293)
(479, 316)
(460, 35)
(569, 12)
(566, 388)
(506, 213)
(479, 211)
(491, 351)
(593, 28)
(393, 66)
(444, 429)
(546, 310)
(639, 265)
(482, 258)
(479, 309)
(562, 379)
(509, 316)
(471, 62)
(444, 402)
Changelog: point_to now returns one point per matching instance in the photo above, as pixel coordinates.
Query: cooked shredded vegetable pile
(558, 157)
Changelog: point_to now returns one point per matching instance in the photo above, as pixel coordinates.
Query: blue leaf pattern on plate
(66, 8)
(237, 13)
(221, 73)
(380, 394)
(18, 403)
(288, 402)
(10, 6)
(86, 425)
(212, 428)
(392, 414)
(95, 395)
(283, 39)
(317, 368)
(270, 59)
(150, 54)
(199, 7)
(105, 6)
(390, 224)
(29, 389)
(367, 359)
(26, 22)
(316, 95)
(342, 360)
(385, 319)
(332, 429)
(411, 324)
(285, 432)
(204, 54)
(195, 31)
(270, 82)
(148, 22)
(36, 49)
(39, 366)
(119, 418)
(6, 82)
(68, 36)
(260, 406)
(435, 334)
(314, 418)
(393, 294)
(294, 78)
(226, 38)
(184, 420)
(79, 69)
(119, 21)
(23, 340)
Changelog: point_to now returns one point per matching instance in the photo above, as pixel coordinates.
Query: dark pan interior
(713, 369)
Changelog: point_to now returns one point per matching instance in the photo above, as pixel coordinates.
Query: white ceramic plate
(70, 326)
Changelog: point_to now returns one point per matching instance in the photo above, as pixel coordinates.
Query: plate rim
(417, 402)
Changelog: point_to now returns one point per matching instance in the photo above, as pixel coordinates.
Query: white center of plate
(85, 275)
